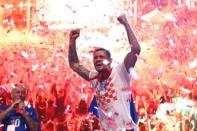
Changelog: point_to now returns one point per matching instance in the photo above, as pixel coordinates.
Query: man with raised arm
(109, 84)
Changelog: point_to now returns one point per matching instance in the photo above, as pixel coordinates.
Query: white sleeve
(122, 72)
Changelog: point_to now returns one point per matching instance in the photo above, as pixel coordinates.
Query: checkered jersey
(108, 95)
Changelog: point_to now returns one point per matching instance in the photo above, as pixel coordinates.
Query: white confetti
(106, 62)
(24, 54)
(34, 67)
(193, 64)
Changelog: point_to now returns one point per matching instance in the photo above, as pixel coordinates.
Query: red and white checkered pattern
(108, 96)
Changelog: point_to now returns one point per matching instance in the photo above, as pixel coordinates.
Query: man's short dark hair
(103, 49)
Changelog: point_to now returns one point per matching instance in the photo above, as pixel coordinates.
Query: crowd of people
(164, 91)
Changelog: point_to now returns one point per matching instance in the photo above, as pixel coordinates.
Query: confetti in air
(25, 55)
(34, 50)
(105, 62)
(193, 64)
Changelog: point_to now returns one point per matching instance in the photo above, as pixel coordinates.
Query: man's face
(101, 61)
(18, 93)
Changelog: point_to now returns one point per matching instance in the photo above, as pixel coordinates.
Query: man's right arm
(3, 113)
(73, 59)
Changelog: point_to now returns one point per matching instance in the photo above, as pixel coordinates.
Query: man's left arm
(131, 57)
(32, 124)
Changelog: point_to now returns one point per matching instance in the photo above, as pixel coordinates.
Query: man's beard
(103, 75)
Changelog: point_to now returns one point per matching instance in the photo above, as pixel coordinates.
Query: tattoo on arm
(72, 56)
(82, 71)
(73, 61)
